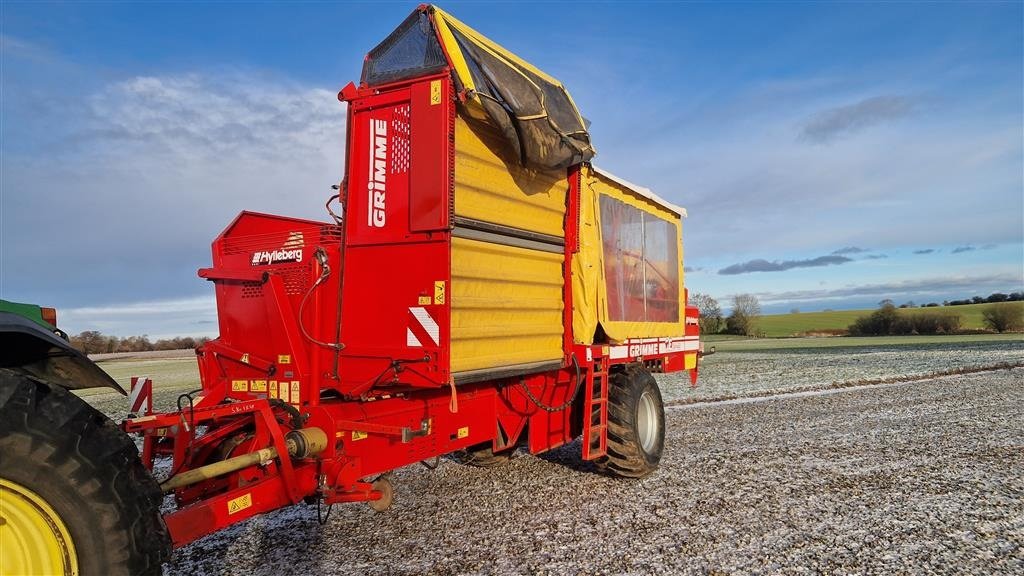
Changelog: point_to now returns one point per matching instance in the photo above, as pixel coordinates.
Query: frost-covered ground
(744, 373)
(912, 478)
(915, 477)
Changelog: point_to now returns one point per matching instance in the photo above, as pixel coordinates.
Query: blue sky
(829, 154)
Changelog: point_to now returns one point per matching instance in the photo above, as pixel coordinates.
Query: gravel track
(922, 477)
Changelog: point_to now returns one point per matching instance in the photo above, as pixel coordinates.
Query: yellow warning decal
(463, 432)
(245, 358)
(439, 292)
(236, 505)
(435, 92)
(239, 385)
(282, 391)
(295, 391)
(273, 388)
(284, 358)
(357, 435)
(424, 300)
(258, 386)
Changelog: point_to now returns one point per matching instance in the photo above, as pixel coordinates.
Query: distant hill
(802, 323)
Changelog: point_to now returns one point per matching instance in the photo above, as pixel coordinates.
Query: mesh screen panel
(411, 50)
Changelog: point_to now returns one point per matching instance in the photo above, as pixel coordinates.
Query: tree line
(95, 342)
(992, 298)
(746, 310)
(886, 320)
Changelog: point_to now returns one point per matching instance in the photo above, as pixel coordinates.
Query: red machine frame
(279, 364)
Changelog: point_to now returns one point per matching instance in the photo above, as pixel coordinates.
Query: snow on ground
(731, 373)
(915, 477)
(921, 477)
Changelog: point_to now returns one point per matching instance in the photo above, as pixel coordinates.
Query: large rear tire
(72, 486)
(636, 424)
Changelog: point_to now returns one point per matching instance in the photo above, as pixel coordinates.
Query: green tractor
(74, 495)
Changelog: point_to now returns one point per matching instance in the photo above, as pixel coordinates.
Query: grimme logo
(643, 349)
(378, 168)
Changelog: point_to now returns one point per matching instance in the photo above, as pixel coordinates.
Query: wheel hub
(647, 421)
(33, 539)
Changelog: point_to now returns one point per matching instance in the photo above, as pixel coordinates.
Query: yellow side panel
(492, 187)
(587, 269)
(590, 299)
(506, 305)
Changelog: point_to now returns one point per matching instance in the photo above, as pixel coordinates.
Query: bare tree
(746, 310)
(711, 320)
(1003, 317)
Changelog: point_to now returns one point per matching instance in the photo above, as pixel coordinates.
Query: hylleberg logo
(376, 180)
(275, 256)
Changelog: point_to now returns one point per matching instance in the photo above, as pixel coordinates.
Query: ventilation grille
(400, 140)
(296, 279)
(252, 290)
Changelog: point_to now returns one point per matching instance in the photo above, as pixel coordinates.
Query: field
(780, 325)
(789, 457)
(740, 367)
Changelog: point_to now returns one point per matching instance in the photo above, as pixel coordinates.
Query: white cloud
(149, 170)
(194, 117)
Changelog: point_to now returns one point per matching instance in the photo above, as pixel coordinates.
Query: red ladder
(595, 428)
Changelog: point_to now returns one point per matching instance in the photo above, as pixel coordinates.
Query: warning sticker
(282, 391)
(239, 385)
(435, 92)
(439, 292)
(295, 392)
(236, 505)
(273, 388)
(424, 300)
(284, 358)
(357, 435)
(463, 432)
(258, 386)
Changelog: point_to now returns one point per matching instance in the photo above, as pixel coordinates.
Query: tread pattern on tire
(85, 453)
(626, 457)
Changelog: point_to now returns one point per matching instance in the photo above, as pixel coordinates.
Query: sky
(830, 155)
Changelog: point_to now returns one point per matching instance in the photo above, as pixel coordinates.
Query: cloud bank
(833, 123)
(149, 170)
(760, 265)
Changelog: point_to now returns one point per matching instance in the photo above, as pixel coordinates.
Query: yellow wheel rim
(33, 539)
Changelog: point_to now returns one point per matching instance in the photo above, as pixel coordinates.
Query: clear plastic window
(641, 264)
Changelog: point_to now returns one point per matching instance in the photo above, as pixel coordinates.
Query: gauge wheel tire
(88, 475)
(483, 456)
(636, 424)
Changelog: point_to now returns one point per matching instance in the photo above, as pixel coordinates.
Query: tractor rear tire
(636, 424)
(483, 456)
(72, 483)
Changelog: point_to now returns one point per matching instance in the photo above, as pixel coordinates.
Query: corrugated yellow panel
(491, 186)
(506, 305)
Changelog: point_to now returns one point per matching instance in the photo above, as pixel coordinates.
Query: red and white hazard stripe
(422, 324)
(140, 397)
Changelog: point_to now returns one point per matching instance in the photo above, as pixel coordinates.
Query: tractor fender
(30, 348)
